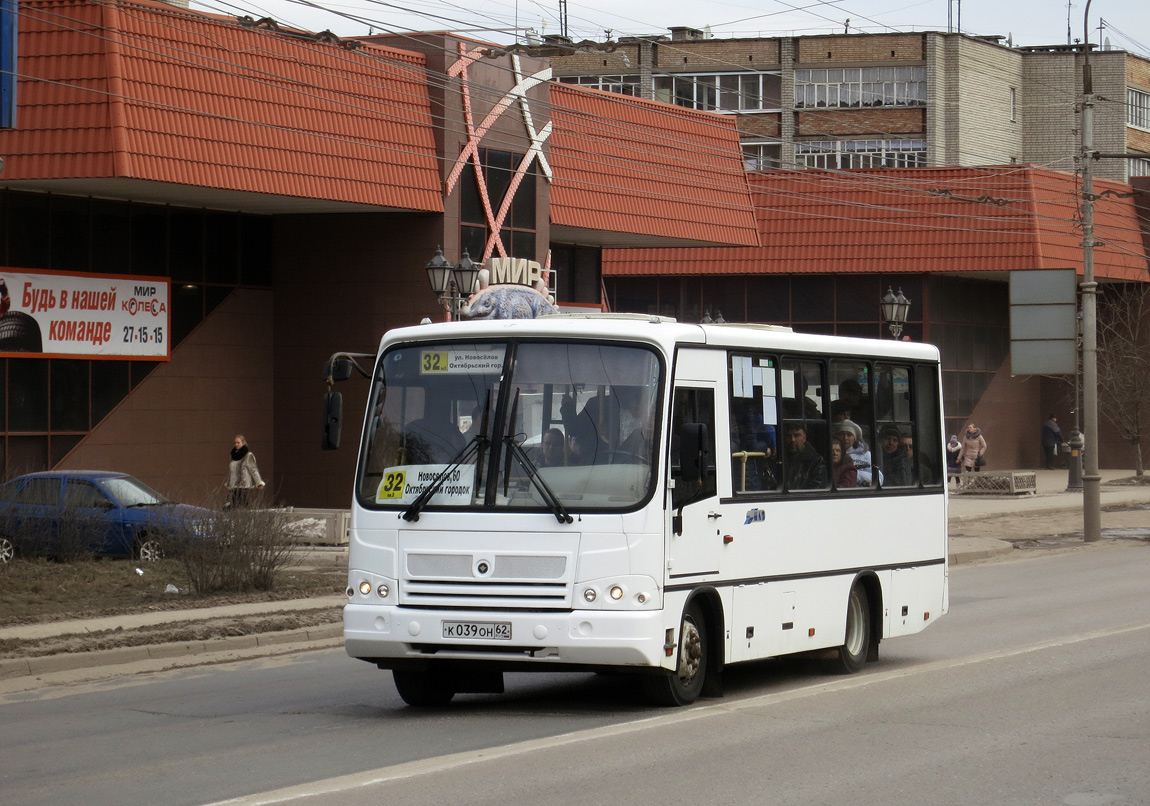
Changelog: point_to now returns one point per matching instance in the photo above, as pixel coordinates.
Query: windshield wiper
(557, 509)
(477, 442)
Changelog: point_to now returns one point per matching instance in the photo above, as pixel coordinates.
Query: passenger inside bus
(843, 469)
(855, 446)
(434, 438)
(896, 462)
(551, 448)
(806, 469)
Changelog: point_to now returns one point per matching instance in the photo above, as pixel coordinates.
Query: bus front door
(695, 539)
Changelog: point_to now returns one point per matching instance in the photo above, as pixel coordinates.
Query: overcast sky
(1027, 22)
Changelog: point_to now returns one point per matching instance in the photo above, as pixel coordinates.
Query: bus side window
(806, 436)
(929, 452)
(754, 423)
(895, 453)
(693, 406)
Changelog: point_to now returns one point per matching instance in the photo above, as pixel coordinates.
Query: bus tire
(423, 688)
(683, 686)
(852, 655)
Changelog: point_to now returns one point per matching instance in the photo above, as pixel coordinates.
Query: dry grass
(40, 590)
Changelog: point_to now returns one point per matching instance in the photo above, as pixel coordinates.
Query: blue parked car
(96, 511)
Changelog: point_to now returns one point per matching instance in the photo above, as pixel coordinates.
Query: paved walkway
(1051, 496)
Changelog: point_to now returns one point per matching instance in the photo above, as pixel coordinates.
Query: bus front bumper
(590, 638)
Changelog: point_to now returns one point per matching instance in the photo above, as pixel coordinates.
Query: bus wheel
(684, 685)
(427, 687)
(852, 654)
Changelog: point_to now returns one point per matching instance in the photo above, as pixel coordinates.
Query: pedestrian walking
(953, 454)
(243, 474)
(973, 449)
(1051, 439)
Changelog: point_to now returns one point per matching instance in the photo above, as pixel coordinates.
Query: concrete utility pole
(1091, 480)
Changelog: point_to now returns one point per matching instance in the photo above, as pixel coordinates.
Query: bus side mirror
(692, 451)
(337, 369)
(332, 420)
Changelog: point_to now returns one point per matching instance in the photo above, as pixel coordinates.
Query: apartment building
(895, 100)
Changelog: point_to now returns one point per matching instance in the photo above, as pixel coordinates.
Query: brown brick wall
(598, 64)
(1137, 139)
(859, 48)
(717, 55)
(1138, 72)
(847, 122)
(753, 126)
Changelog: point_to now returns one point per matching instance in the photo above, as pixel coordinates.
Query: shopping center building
(197, 211)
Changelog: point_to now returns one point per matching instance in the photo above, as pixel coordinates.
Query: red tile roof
(914, 220)
(629, 165)
(146, 91)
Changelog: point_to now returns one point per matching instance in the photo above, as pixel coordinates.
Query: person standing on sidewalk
(1051, 439)
(243, 474)
(973, 447)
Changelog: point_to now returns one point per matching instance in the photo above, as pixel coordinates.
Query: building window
(517, 230)
(860, 86)
(762, 156)
(723, 92)
(624, 85)
(1137, 108)
(1013, 104)
(1138, 167)
(861, 154)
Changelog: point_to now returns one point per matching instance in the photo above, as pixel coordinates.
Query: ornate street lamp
(465, 274)
(894, 310)
(452, 284)
(438, 273)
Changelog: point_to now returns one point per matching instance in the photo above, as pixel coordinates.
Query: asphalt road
(1032, 691)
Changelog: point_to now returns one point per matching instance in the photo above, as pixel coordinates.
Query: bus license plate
(491, 630)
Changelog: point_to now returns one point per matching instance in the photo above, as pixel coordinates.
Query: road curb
(49, 664)
(973, 549)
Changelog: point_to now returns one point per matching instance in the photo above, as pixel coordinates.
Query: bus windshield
(550, 426)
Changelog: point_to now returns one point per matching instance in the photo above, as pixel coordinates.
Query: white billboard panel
(64, 315)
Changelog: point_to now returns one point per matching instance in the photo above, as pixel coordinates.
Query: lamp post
(465, 273)
(452, 285)
(894, 310)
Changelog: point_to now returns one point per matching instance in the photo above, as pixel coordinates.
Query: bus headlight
(618, 593)
(366, 588)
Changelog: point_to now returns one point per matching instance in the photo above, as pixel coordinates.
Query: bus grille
(469, 580)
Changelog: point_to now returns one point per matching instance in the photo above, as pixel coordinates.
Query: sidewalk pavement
(1051, 496)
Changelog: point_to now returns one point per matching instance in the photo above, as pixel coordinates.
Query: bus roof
(664, 332)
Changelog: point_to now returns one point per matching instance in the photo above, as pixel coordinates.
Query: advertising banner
(62, 315)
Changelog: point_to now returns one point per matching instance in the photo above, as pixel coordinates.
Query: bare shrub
(68, 536)
(241, 550)
(79, 535)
